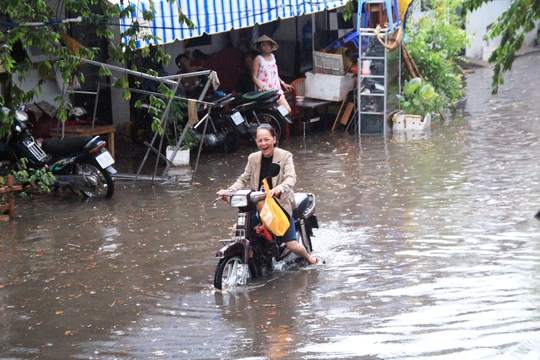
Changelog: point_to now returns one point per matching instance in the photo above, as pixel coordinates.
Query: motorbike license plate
(283, 111)
(105, 159)
(237, 118)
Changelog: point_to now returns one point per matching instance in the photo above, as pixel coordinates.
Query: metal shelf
(374, 57)
(371, 94)
(369, 121)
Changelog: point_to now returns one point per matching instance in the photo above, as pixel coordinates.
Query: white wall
(478, 23)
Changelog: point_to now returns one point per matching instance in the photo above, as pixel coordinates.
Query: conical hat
(255, 45)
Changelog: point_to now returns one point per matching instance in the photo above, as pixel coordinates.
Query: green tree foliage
(36, 23)
(435, 41)
(38, 179)
(512, 26)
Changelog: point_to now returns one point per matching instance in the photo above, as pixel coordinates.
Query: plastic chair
(349, 40)
(299, 89)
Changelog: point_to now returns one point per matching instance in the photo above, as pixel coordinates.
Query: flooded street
(433, 252)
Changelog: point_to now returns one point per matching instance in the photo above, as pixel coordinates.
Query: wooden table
(86, 130)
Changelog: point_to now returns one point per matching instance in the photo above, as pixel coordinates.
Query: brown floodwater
(432, 250)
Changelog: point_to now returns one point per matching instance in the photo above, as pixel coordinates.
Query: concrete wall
(478, 24)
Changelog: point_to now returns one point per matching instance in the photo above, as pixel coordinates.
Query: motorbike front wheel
(98, 182)
(230, 272)
(274, 121)
(230, 138)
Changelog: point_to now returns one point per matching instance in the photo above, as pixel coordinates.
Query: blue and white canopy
(215, 16)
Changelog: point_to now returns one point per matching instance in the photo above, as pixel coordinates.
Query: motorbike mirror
(274, 169)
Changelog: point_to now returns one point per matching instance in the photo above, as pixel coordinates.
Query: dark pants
(290, 234)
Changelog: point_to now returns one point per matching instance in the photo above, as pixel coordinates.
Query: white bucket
(366, 65)
(181, 158)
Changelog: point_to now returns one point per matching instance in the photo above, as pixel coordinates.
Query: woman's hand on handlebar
(221, 192)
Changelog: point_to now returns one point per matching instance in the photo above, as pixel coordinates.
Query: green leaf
(126, 95)
(412, 86)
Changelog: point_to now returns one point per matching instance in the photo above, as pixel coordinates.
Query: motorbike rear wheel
(100, 182)
(230, 272)
(274, 121)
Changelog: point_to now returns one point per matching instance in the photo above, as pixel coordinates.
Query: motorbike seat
(302, 202)
(58, 146)
(259, 95)
(217, 98)
(255, 97)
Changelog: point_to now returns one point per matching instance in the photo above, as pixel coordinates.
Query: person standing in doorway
(189, 83)
(265, 71)
(245, 80)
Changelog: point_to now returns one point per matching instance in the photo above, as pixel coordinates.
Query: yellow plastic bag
(272, 216)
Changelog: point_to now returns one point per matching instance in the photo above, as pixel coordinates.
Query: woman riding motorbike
(257, 169)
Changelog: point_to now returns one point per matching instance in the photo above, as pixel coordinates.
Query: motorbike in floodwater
(218, 127)
(253, 251)
(252, 109)
(77, 163)
(231, 118)
(235, 117)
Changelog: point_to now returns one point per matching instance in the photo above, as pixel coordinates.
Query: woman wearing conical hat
(265, 71)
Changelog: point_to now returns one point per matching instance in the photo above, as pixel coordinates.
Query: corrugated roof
(212, 17)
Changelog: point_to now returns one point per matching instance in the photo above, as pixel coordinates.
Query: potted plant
(418, 102)
(175, 132)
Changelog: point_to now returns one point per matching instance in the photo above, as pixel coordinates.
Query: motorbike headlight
(239, 199)
(21, 116)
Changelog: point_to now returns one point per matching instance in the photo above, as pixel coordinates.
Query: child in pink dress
(265, 71)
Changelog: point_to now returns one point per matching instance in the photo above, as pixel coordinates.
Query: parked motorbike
(219, 128)
(233, 117)
(77, 163)
(253, 251)
(259, 107)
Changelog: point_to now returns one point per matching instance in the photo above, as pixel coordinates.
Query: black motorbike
(219, 128)
(259, 107)
(233, 117)
(77, 163)
(253, 251)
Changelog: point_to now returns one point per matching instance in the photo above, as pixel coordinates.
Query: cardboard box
(328, 87)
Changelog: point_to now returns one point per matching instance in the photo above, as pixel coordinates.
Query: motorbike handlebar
(258, 196)
(255, 196)
(224, 197)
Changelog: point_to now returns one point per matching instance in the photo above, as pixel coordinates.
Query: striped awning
(214, 16)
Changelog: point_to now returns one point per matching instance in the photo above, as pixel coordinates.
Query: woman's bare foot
(315, 261)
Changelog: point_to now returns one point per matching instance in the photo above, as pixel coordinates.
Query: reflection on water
(431, 245)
